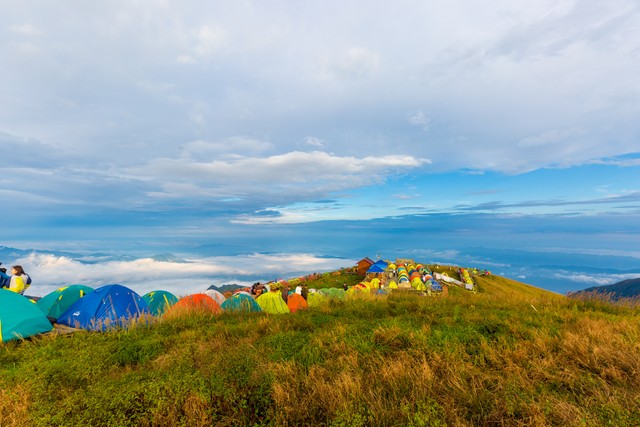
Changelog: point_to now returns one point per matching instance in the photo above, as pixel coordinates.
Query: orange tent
(295, 302)
(195, 303)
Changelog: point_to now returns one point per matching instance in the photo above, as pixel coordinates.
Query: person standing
(19, 281)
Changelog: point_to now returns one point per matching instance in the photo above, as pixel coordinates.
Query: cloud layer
(143, 275)
(158, 112)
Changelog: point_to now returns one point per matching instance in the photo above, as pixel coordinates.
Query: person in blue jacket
(5, 279)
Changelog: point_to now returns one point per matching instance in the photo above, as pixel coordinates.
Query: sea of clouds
(182, 277)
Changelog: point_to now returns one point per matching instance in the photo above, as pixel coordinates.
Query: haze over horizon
(276, 127)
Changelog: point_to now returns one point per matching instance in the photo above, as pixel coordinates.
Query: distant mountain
(230, 287)
(168, 257)
(626, 289)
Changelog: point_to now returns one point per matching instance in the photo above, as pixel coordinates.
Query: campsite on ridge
(497, 350)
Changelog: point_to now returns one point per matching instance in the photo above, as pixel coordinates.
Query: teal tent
(57, 302)
(19, 317)
(240, 302)
(159, 301)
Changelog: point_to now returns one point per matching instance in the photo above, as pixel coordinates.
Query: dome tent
(159, 301)
(194, 303)
(19, 317)
(107, 307)
(333, 293)
(272, 302)
(240, 302)
(295, 302)
(315, 299)
(376, 268)
(216, 295)
(58, 301)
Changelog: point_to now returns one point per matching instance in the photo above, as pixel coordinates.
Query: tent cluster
(466, 278)
(115, 306)
(402, 276)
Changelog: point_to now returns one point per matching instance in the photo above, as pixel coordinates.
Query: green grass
(509, 355)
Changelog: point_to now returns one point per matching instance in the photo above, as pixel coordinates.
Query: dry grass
(14, 406)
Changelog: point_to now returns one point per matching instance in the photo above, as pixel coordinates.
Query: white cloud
(25, 30)
(205, 150)
(186, 59)
(596, 279)
(553, 137)
(420, 118)
(313, 141)
(144, 275)
(355, 63)
(209, 39)
(303, 174)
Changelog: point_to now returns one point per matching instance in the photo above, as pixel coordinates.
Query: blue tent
(378, 267)
(58, 301)
(375, 268)
(106, 307)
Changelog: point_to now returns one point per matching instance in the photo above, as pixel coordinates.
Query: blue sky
(155, 125)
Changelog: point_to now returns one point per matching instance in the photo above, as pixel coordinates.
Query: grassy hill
(511, 354)
(618, 291)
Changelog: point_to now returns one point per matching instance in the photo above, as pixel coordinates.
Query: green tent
(418, 285)
(272, 303)
(334, 293)
(19, 317)
(159, 301)
(58, 301)
(315, 299)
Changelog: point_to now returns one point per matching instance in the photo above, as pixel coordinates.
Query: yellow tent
(272, 303)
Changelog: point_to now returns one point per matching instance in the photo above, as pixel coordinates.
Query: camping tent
(216, 295)
(19, 317)
(107, 307)
(159, 301)
(315, 299)
(417, 284)
(376, 268)
(241, 301)
(272, 303)
(58, 301)
(333, 293)
(295, 302)
(194, 303)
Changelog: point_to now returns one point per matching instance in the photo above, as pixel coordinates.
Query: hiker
(256, 289)
(19, 281)
(4, 278)
(285, 292)
(305, 292)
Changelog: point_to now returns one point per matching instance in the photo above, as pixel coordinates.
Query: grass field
(508, 355)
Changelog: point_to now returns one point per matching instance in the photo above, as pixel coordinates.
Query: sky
(225, 128)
